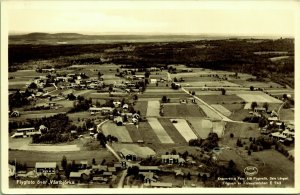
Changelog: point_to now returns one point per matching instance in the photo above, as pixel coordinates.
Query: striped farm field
(160, 131)
(184, 129)
(172, 131)
(134, 132)
(222, 109)
(153, 108)
(209, 113)
(183, 110)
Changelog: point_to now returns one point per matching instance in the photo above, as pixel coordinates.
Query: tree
(164, 99)
(93, 161)
(193, 93)
(147, 74)
(32, 86)
(253, 105)
(266, 106)
(71, 96)
(98, 104)
(135, 97)
(284, 96)
(231, 135)
(175, 79)
(251, 88)
(64, 162)
(188, 176)
(223, 91)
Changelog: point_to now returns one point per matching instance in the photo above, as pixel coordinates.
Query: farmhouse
(15, 114)
(24, 132)
(153, 81)
(103, 110)
(128, 155)
(259, 110)
(118, 120)
(149, 168)
(149, 177)
(170, 159)
(45, 167)
(99, 168)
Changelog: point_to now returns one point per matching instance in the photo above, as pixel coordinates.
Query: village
(157, 127)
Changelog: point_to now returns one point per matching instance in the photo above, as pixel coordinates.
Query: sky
(152, 17)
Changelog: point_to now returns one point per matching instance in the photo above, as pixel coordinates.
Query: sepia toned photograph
(152, 97)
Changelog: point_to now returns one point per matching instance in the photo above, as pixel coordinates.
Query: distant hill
(76, 38)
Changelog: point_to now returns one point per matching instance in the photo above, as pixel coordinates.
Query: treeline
(233, 55)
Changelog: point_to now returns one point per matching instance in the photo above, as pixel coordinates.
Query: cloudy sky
(167, 17)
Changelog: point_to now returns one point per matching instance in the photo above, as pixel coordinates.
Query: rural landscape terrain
(161, 111)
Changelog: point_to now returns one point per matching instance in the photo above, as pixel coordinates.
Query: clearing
(110, 128)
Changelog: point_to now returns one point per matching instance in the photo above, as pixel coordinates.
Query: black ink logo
(250, 171)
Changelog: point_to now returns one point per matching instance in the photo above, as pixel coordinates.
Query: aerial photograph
(149, 95)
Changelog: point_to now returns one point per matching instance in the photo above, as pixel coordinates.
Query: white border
(291, 5)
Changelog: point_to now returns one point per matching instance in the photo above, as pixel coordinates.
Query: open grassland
(172, 131)
(202, 127)
(241, 130)
(160, 131)
(287, 114)
(275, 165)
(182, 110)
(219, 128)
(31, 157)
(110, 128)
(153, 108)
(184, 129)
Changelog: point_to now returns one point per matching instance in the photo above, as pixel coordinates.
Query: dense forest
(239, 55)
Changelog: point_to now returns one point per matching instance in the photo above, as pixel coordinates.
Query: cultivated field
(160, 131)
(140, 151)
(222, 109)
(182, 110)
(257, 96)
(153, 108)
(134, 132)
(172, 131)
(202, 127)
(184, 129)
(141, 106)
(209, 113)
(110, 128)
(218, 98)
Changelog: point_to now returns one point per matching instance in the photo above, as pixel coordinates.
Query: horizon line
(156, 33)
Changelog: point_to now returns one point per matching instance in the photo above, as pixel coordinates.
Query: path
(124, 172)
(278, 112)
(224, 118)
